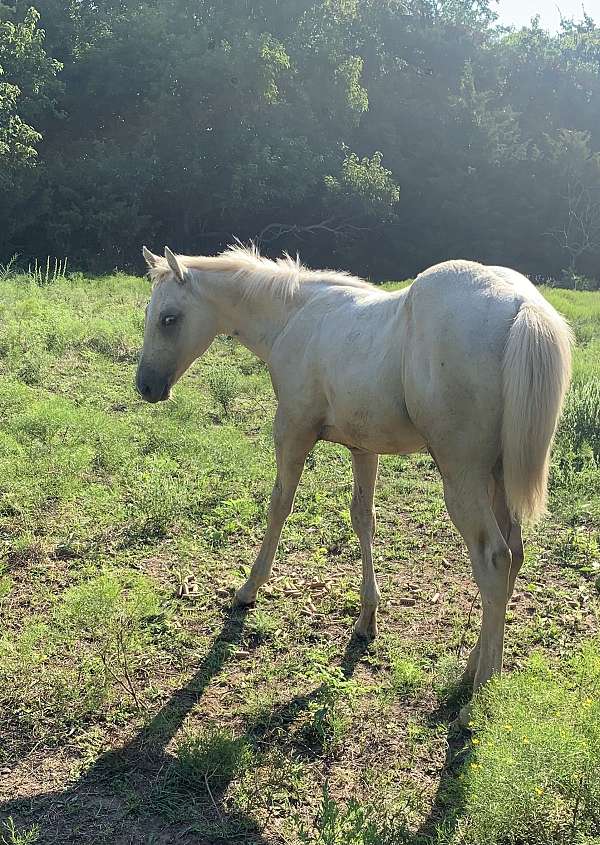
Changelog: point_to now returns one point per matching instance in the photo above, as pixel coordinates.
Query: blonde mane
(283, 276)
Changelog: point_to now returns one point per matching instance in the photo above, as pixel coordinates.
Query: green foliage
(329, 712)
(534, 774)
(211, 759)
(380, 136)
(44, 693)
(353, 824)
(105, 623)
(261, 625)
(224, 385)
(580, 423)
(407, 675)
(10, 835)
(26, 73)
(367, 181)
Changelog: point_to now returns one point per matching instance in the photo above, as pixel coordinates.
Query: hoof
(244, 597)
(366, 630)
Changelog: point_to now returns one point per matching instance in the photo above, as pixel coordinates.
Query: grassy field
(137, 707)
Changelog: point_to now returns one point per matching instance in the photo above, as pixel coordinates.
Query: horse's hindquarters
(453, 352)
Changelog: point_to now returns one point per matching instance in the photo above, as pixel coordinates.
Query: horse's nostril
(143, 388)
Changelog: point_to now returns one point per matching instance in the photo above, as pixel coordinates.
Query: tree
(26, 74)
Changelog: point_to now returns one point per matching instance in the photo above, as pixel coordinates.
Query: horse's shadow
(128, 796)
(104, 805)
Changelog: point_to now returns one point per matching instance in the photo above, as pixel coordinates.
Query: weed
(353, 824)
(112, 611)
(261, 625)
(329, 712)
(407, 675)
(9, 835)
(224, 385)
(211, 759)
(48, 273)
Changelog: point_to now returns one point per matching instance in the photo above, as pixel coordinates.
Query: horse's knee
(281, 503)
(362, 516)
(492, 571)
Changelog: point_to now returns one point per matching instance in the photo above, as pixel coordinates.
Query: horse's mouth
(150, 392)
(166, 394)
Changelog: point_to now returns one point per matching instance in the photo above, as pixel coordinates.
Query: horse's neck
(256, 317)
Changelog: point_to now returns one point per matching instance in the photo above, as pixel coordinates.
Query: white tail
(535, 373)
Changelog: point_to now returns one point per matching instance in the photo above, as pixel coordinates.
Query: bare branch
(331, 225)
(580, 232)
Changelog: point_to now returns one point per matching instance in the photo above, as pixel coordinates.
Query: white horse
(469, 362)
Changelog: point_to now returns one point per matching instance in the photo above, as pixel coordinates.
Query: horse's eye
(169, 320)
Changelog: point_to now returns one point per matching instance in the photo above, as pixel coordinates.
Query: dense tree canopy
(381, 135)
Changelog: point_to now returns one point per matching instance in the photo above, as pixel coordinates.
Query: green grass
(134, 703)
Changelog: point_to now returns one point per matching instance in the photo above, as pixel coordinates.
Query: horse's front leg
(364, 466)
(292, 446)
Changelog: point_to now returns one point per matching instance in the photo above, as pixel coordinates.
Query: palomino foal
(470, 362)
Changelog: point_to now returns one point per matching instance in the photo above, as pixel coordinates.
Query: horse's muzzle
(151, 386)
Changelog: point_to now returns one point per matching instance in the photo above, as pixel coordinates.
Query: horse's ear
(174, 264)
(151, 259)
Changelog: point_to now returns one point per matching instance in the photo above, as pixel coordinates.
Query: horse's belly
(392, 434)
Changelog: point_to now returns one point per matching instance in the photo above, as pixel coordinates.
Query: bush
(112, 611)
(224, 385)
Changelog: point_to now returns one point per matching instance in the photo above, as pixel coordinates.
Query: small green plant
(329, 713)
(211, 759)
(48, 273)
(261, 625)
(112, 611)
(224, 385)
(352, 824)
(9, 835)
(407, 675)
(8, 269)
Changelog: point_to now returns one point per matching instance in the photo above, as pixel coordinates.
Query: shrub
(112, 611)
(224, 385)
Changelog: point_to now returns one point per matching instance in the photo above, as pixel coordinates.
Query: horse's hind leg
(470, 509)
(364, 467)
(292, 445)
(511, 531)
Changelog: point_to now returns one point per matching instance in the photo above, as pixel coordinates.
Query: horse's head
(180, 325)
